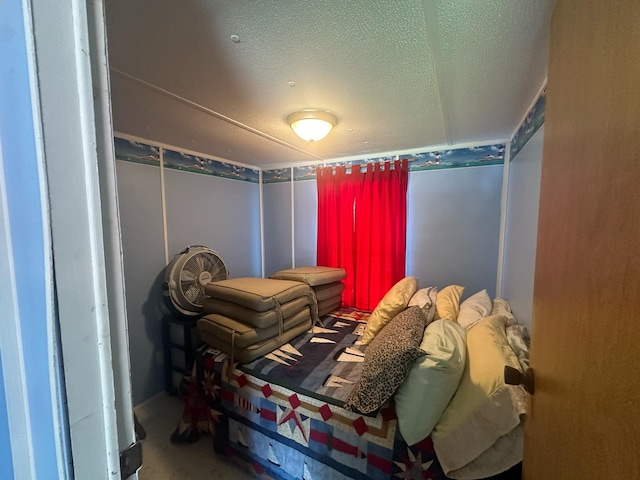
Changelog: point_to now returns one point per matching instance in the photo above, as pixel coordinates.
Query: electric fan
(187, 274)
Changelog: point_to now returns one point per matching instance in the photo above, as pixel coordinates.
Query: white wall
(522, 229)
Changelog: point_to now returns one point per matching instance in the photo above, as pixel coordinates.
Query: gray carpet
(163, 460)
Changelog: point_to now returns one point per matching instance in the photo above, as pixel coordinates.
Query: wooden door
(585, 414)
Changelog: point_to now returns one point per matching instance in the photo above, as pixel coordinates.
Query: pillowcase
(425, 298)
(387, 361)
(474, 309)
(448, 302)
(394, 301)
(432, 380)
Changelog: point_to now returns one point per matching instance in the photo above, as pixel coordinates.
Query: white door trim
(78, 150)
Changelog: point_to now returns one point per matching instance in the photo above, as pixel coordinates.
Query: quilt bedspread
(283, 417)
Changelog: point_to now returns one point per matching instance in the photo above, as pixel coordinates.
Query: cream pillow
(474, 309)
(448, 302)
(394, 302)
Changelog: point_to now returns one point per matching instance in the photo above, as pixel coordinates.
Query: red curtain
(362, 227)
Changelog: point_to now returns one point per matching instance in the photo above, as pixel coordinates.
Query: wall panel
(277, 226)
(522, 229)
(306, 222)
(453, 223)
(221, 214)
(143, 250)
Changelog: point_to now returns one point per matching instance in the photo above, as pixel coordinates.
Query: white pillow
(474, 309)
(432, 380)
(425, 298)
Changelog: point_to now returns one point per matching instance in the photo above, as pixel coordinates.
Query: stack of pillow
(417, 353)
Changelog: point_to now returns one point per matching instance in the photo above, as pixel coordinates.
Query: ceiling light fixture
(312, 125)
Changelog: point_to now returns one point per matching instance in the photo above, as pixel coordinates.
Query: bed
(292, 414)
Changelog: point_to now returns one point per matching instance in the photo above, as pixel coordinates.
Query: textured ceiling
(398, 74)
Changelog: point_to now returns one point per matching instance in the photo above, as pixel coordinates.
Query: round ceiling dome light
(312, 125)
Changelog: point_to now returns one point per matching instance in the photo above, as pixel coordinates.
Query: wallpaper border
(138, 151)
(432, 160)
(530, 125)
(147, 153)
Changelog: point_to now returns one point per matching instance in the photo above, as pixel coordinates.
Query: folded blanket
(480, 433)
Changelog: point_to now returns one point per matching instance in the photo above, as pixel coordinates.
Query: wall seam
(163, 200)
(504, 205)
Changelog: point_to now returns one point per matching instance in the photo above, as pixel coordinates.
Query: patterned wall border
(459, 157)
(436, 160)
(140, 152)
(192, 163)
(276, 176)
(530, 125)
(136, 152)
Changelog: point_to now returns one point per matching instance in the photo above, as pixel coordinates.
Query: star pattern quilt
(282, 416)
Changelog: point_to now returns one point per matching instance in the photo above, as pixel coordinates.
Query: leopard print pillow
(388, 360)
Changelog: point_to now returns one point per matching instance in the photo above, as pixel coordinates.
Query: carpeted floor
(163, 460)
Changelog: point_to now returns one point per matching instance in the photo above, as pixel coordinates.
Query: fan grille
(188, 274)
(191, 280)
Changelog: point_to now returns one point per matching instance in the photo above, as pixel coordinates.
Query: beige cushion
(223, 328)
(330, 290)
(312, 275)
(251, 352)
(251, 317)
(259, 294)
(328, 306)
(448, 302)
(394, 302)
